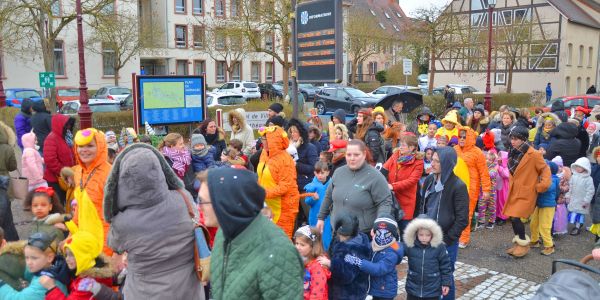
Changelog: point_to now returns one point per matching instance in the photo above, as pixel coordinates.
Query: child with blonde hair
(309, 246)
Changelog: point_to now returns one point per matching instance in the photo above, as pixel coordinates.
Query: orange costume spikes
(277, 175)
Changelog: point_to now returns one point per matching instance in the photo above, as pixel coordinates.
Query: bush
(437, 103)
(367, 87)
(395, 76)
(381, 76)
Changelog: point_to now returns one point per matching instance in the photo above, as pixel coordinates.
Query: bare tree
(364, 38)
(512, 42)
(119, 37)
(225, 41)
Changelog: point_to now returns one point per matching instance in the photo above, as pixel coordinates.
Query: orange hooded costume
(479, 176)
(277, 175)
(92, 177)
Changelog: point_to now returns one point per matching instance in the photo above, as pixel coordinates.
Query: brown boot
(522, 247)
(514, 246)
(547, 250)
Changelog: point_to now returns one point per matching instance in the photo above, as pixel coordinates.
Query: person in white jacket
(580, 194)
(241, 130)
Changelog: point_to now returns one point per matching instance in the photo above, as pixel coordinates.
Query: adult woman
(214, 135)
(405, 168)
(277, 175)
(8, 163)
(545, 124)
(478, 121)
(149, 220)
(241, 130)
(357, 189)
(370, 132)
(391, 137)
(92, 170)
(41, 122)
(23, 120)
(379, 116)
(507, 120)
(317, 138)
(340, 132)
(58, 152)
(529, 175)
(179, 158)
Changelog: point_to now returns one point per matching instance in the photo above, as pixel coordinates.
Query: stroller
(569, 283)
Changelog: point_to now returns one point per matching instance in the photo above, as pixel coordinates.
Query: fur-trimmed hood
(104, 271)
(543, 116)
(14, 248)
(239, 114)
(144, 173)
(410, 233)
(8, 135)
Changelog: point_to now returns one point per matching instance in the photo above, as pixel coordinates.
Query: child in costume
(317, 188)
(387, 253)
(32, 163)
(427, 254)
(580, 194)
(309, 246)
(487, 208)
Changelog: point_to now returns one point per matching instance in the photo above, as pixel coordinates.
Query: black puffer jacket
(41, 122)
(375, 142)
(558, 107)
(563, 142)
(307, 155)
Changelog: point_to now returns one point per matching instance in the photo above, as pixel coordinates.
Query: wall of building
(579, 68)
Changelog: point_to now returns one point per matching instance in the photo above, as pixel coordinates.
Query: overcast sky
(409, 6)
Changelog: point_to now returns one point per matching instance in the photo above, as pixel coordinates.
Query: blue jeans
(452, 254)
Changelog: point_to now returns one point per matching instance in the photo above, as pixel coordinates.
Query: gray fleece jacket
(363, 193)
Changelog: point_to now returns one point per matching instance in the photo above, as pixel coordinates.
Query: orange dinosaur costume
(92, 177)
(277, 175)
(479, 177)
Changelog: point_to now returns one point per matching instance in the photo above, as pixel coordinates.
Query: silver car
(116, 93)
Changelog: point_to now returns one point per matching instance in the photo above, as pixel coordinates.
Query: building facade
(544, 40)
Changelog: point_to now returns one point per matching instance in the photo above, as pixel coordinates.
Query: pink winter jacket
(32, 163)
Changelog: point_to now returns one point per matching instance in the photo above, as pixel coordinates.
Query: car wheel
(355, 109)
(321, 108)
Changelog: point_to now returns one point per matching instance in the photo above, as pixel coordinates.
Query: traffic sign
(47, 80)
(407, 66)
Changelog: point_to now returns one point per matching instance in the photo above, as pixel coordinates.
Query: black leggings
(518, 227)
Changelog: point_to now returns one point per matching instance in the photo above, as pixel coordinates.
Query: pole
(85, 114)
(487, 103)
(295, 66)
(2, 94)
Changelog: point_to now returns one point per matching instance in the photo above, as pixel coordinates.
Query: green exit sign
(47, 80)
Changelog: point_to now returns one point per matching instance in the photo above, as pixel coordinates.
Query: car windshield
(105, 107)
(356, 93)
(306, 86)
(232, 100)
(27, 94)
(119, 91)
(69, 93)
(278, 87)
(250, 85)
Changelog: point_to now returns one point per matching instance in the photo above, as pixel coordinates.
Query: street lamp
(487, 103)
(85, 114)
(2, 95)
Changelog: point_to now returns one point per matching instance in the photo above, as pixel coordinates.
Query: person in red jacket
(404, 170)
(58, 152)
(479, 176)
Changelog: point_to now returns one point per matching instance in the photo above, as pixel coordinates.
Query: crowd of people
(310, 209)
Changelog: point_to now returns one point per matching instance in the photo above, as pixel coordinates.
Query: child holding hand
(429, 268)
(308, 244)
(317, 188)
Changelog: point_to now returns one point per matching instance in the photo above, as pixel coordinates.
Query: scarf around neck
(514, 157)
(404, 159)
(180, 158)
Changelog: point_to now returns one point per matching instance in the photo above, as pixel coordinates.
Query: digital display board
(319, 41)
(163, 100)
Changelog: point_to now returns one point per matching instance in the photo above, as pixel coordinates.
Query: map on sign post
(163, 100)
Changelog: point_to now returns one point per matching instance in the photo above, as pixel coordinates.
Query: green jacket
(8, 160)
(259, 263)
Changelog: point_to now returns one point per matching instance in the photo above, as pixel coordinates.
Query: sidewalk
(479, 283)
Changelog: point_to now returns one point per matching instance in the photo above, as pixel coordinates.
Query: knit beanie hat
(198, 139)
(347, 225)
(277, 120)
(385, 230)
(558, 161)
(519, 132)
(276, 107)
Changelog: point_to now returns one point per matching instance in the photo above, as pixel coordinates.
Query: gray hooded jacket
(150, 221)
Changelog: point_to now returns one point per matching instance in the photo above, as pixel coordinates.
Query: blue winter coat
(382, 270)
(429, 269)
(22, 126)
(305, 165)
(548, 198)
(34, 291)
(318, 187)
(347, 281)
(201, 163)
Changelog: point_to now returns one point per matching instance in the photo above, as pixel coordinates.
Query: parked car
(96, 106)
(65, 94)
(423, 80)
(271, 90)
(127, 104)
(347, 98)
(385, 90)
(248, 89)
(14, 97)
(115, 93)
(224, 99)
(459, 89)
(571, 102)
(308, 90)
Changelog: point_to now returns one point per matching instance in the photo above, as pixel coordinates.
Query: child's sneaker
(547, 250)
(490, 226)
(575, 231)
(534, 244)
(479, 226)
(462, 246)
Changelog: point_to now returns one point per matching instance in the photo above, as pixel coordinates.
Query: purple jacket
(22, 126)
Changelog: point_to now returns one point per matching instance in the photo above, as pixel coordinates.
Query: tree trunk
(431, 73)
(47, 44)
(353, 76)
(285, 76)
(509, 79)
(117, 76)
